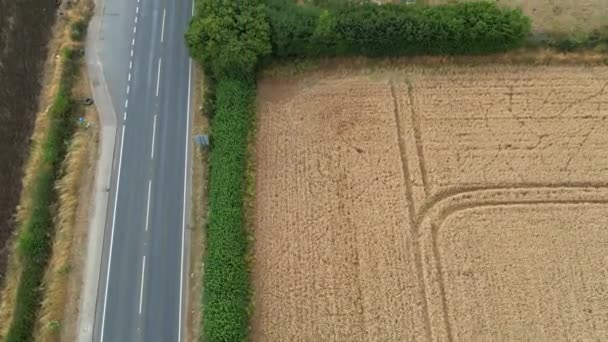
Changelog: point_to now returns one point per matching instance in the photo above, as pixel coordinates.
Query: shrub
(225, 280)
(394, 29)
(229, 36)
(79, 30)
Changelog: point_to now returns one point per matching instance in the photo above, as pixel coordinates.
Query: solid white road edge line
(181, 276)
(105, 298)
(160, 62)
(153, 136)
(162, 31)
(148, 205)
(141, 290)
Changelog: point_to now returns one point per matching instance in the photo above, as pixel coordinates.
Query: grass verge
(199, 214)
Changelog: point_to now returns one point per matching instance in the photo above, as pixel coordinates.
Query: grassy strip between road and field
(34, 241)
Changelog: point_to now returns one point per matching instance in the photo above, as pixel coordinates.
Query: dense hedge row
(394, 29)
(225, 280)
(34, 244)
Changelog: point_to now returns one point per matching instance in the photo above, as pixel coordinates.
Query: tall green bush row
(394, 29)
(34, 243)
(226, 280)
(230, 38)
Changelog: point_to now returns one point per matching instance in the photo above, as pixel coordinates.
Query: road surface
(148, 73)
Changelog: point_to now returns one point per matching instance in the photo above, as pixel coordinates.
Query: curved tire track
(447, 203)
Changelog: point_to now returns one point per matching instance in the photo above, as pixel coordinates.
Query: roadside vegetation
(42, 198)
(234, 39)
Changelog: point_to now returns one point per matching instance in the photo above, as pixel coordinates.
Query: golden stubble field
(444, 203)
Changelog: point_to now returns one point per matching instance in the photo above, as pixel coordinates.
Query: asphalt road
(147, 69)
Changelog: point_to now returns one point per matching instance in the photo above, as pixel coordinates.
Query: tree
(229, 36)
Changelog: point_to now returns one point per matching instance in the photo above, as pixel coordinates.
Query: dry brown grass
(432, 203)
(72, 194)
(60, 39)
(199, 213)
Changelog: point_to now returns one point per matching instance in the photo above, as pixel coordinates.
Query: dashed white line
(130, 66)
(162, 31)
(141, 290)
(148, 205)
(128, 88)
(137, 10)
(133, 42)
(134, 29)
(129, 77)
(131, 53)
(153, 136)
(135, 20)
(105, 299)
(160, 62)
(124, 117)
(126, 103)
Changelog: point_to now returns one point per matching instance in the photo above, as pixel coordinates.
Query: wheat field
(432, 203)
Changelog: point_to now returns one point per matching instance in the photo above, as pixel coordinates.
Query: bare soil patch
(432, 203)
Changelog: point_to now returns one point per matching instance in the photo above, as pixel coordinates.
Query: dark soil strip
(25, 29)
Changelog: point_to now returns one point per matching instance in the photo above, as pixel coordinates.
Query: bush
(79, 30)
(34, 242)
(225, 281)
(229, 36)
(394, 29)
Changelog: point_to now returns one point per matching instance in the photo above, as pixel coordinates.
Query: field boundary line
(411, 213)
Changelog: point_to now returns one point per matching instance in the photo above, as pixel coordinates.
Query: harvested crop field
(432, 203)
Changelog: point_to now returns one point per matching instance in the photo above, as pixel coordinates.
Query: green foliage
(596, 40)
(394, 29)
(225, 281)
(79, 29)
(229, 36)
(34, 242)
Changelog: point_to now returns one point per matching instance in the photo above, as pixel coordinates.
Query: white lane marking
(137, 10)
(181, 277)
(125, 116)
(141, 290)
(136, 20)
(134, 29)
(148, 205)
(105, 298)
(126, 103)
(128, 88)
(129, 77)
(131, 53)
(153, 135)
(133, 41)
(160, 62)
(162, 31)
(130, 67)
